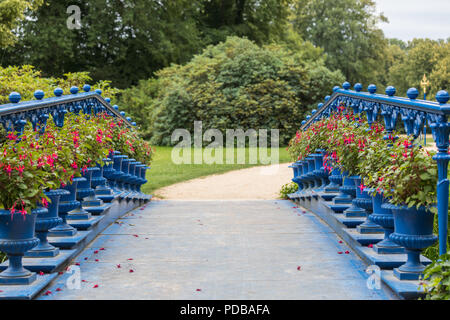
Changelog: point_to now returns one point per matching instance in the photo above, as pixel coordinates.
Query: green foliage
(11, 13)
(236, 84)
(437, 279)
(26, 79)
(129, 40)
(420, 56)
(288, 188)
(347, 31)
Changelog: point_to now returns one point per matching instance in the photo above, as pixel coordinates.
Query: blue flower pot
(67, 203)
(382, 215)
(44, 222)
(413, 229)
(16, 238)
(335, 181)
(347, 192)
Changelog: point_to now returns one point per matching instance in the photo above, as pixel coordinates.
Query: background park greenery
(248, 63)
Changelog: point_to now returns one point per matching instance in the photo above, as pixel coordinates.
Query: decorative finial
(86, 88)
(327, 98)
(74, 90)
(320, 105)
(116, 107)
(133, 124)
(313, 111)
(442, 97)
(99, 91)
(58, 92)
(108, 100)
(128, 119)
(372, 88)
(39, 94)
(412, 93)
(14, 97)
(390, 91)
(358, 87)
(346, 85)
(336, 88)
(303, 122)
(122, 113)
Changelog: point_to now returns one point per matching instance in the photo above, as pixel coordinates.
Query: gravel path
(258, 183)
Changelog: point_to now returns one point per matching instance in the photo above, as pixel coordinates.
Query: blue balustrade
(364, 219)
(49, 238)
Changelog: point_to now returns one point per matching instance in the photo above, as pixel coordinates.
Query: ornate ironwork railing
(13, 116)
(415, 114)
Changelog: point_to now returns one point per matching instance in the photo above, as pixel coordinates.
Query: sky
(410, 19)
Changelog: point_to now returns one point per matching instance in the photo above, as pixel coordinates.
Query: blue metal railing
(13, 116)
(415, 114)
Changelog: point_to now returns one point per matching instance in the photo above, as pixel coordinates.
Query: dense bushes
(26, 79)
(235, 84)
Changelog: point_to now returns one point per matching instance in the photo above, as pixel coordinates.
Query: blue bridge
(102, 238)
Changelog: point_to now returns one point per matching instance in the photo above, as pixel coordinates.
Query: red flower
(131, 270)
(96, 286)
(118, 266)
(44, 203)
(340, 252)
(299, 268)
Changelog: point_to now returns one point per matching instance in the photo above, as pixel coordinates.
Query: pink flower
(44, 202)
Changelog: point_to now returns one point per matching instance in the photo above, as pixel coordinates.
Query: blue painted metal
(382, 216)
(16, 238)
(414, 231)
(415, 114)
(44, 222)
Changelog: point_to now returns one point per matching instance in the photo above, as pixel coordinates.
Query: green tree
(11, 13)
(235, 84)
(129, 40)
(422, 56)
(347, 31)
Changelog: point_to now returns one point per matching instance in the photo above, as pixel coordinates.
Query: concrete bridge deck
(262, 249)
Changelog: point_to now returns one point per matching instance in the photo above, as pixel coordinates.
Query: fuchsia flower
(74, 165)
(44, 203)
(12, 136)
(361, 188)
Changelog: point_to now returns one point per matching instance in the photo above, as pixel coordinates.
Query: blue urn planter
(320, 171)
(117, 166)
(348, 190)
(125, 175)
(102, 191)
(297, 168)
(311, 170)
(143, 177)
(413, 229)
(382, 215)
(355, 210)
(84, 188)
(335, 181)
(67, 203)
(303, 177)
(44, 222)
(133, 179)
(16, 238)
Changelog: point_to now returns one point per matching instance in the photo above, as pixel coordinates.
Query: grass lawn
(165, 172)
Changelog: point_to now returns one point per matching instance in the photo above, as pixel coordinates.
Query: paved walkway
(218, 250)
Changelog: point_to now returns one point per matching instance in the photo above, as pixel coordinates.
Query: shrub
(437, 279)
(26, 79)
(288, 188)
(236, 84)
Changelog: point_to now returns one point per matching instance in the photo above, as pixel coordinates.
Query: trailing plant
(288, 188)
(411, 177)
(436, 282)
